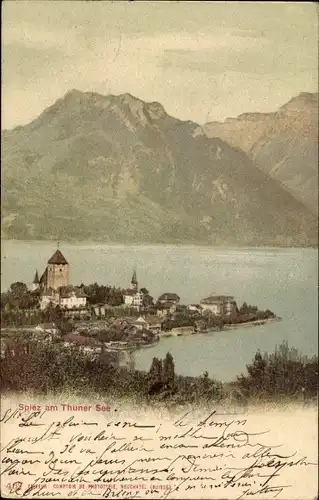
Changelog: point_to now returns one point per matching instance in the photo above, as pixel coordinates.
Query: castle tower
(134, 282)
(57, 271)
(36, 282)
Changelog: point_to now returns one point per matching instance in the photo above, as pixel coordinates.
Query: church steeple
(134, 282)
(36, 278)
(36, 281)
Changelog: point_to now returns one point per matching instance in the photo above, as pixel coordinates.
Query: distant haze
(203, 61)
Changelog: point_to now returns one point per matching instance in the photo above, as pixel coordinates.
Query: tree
(66, 327)
(19, 297)
(168, 371)
(284, 373)
(244, 308)
(257, 371)
(155, 376)
(18, 288)
(207, 389)
(5, 301)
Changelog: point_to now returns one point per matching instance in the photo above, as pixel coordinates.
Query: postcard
(159, 250)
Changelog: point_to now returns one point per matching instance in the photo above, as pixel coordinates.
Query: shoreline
(231, 246)
(257, 322)
(188, 331)
(175, 332)
(191, 331)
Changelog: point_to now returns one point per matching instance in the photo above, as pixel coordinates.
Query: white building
(49, 297)
(154, 324)
(101, 309)
(195, 308)
(47, 328)
(169, 297)
(219, 305)
(141, 323)
(69, 298)
(166, 308)
(72, 299)
(133, 298)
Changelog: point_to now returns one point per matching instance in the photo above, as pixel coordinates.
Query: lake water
(283, 280)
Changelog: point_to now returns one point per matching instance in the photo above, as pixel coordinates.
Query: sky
(202, 61)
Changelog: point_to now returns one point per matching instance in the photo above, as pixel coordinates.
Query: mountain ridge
(116, 168)
(283, 144)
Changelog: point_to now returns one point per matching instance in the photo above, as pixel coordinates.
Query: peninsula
(94, 318)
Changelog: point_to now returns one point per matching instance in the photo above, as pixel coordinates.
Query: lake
(283, 280)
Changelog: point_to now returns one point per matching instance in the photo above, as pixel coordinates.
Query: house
(69, 298)
(47, 328)
(88, 345)
(72, 298)
(100, 309)
(133, 298)
(219, 305)
(80, 312)
(140, 323)
(49, 297)
(169, 297)
(195, 308)
(166, 308)
(153, 324)
(167, 304)
(130, 329)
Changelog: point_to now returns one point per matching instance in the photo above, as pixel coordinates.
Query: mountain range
(115, 168)
(284, 144)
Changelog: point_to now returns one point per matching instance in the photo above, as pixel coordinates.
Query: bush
(284, 373)
(32, 366)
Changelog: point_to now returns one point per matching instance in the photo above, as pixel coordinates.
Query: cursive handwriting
(216, 455)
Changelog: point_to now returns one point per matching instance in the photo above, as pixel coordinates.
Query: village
(96, 318)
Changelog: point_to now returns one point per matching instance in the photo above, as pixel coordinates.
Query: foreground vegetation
(39, 368)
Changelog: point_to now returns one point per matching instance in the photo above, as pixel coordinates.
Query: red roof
(57, 258)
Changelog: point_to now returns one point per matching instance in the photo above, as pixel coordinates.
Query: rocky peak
(73, 94)
(141, 110)
(304, 102)
(133, 106)
(156, 110)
